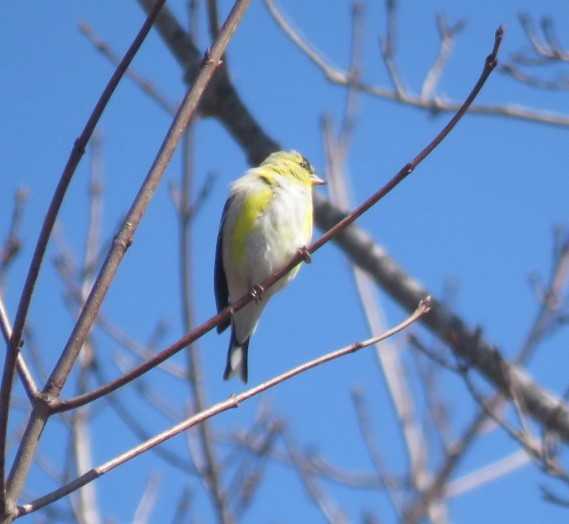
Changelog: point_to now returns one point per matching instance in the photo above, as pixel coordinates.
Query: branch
(374, 452)
(386, 354)
(120, 244)
(232, 402)
(434, 106)
(145, 85)
(186, 212)
(10, 363)
(221, 99)
(523, 436)
(330, 510)
(333, 232)
(550, 300)
(24, 372)
(448, 36)
(541, 404)
(12, 245)
(485, 474)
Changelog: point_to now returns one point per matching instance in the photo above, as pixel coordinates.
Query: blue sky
(478, 213)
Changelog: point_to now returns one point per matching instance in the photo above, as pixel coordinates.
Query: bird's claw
(256, 292)
(303, 252)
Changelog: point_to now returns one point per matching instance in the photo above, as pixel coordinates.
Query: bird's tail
(236, 358)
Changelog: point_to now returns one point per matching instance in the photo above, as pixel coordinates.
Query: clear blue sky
(478, 212)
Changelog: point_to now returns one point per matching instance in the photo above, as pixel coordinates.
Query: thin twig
(207, 453)
(534, 81)
(10, 491)
(389, 49)
(386, 354)
(330, 510)
(374, 452)
(82, 457)
(212, 18)
(547, 48)
(146, 85)
(549, 301)
(11, 246)
(147, 500)
(326, 470)
(523, 437)
(24, 372)
(120, 244)
(487, 473)
(448, 36)
(130, 421)
(334, 231)
(331, 73)
(232, 402)
(434, 105)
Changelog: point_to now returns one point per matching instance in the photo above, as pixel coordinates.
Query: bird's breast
(283, 228)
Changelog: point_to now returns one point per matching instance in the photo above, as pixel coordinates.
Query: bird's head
(293, 164)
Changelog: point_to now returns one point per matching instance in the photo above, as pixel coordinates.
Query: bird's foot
(256, 292)
(303, 252)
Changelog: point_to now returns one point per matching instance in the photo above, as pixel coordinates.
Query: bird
(266, 220)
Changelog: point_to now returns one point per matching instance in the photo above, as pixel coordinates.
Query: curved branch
(398, 93)
(542, 405)
(232, 402)
(334, 231)
(13, 348)
(360, 248)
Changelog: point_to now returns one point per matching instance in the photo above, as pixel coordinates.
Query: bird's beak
(316, 180)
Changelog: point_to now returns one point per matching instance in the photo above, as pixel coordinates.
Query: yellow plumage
(266, 220)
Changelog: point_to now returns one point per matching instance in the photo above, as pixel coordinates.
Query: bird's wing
(220, 279)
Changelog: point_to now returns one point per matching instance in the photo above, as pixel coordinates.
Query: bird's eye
(304, 165)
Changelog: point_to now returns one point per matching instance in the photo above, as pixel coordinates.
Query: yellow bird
(267, 218)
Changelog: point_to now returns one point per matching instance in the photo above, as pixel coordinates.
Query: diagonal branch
(334, 231)
(13, 348)
(232, 402)
(540, 404)
(434, 105)
(221, 100)
(120, 244)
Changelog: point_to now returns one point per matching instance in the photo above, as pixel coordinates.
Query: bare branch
(146, 85)
(374, 452)
(232, 402)
(330, 510)
(12, 489)
(546, 50)
(548, 463)
(147, 500)
(448, 36)
(11, 247)
(24, 372)
(388, 49)
(114, 257)
(487, 473)
(434, 105)
(331, 73)
(209, 463)
(333, 232)
(387, 354)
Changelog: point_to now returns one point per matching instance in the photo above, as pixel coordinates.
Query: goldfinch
(267, 218)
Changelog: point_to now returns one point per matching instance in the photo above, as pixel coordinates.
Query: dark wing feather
(220, 280)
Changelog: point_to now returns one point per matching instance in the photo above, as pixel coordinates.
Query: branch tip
(425, 305)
